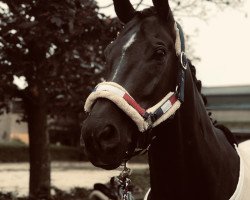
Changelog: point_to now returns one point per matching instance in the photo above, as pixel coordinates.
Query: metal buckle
(124, 183)
(150, 120)
(176, 89)
(184, 62)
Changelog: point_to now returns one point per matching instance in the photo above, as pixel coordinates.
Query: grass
(16, 151)
(12, 143)
(13, 151)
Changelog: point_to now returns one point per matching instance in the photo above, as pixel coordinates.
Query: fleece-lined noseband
(146, 119)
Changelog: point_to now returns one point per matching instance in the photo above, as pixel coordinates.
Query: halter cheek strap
(151, 117)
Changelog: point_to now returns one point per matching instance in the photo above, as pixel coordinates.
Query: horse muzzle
(104, 143)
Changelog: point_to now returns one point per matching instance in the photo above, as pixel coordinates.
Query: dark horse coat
(189, 157)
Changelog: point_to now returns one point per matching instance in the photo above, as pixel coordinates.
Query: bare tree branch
(136, 5)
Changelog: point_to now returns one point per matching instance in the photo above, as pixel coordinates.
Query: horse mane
(197, 82)
(229, 135)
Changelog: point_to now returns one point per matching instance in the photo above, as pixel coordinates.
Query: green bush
(16, 151)
(13, 152)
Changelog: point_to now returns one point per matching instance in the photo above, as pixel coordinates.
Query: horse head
(143, 60)
(148, 72)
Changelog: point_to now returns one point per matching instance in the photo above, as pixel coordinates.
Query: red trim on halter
(173, 99)
(134, 104)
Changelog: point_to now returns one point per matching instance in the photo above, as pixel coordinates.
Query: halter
(146, 119)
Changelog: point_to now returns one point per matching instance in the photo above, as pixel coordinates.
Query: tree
(58, 47)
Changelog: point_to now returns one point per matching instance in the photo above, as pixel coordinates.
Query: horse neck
(187, 158)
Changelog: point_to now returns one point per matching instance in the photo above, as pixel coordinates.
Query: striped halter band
(146, 119)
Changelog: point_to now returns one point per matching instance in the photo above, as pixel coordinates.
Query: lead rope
(124, 182)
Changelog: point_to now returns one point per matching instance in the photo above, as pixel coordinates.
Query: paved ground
(14, 177)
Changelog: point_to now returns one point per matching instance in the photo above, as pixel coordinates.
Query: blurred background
(51, 58)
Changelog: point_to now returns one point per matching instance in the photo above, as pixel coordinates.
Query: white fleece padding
(242, 191)
(177, 41)
(121, 103)
(169, 113)
(115, 85)
(104, 94)
(160, 103)
(110, 88)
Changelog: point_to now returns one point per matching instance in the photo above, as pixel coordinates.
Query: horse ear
(124, 10)
(162, 8)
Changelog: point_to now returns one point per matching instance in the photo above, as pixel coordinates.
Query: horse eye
(159, 53)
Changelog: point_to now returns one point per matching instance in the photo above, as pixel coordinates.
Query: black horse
(189, 157)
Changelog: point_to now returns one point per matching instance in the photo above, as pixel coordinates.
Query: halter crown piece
(146, 119)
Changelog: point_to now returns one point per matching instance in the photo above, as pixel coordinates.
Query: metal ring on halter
(184, 62)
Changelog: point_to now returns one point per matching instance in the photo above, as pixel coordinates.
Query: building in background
(230, 106)
(11, 126)
(62, 130)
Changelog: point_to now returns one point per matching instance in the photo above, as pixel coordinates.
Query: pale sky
(222, 43)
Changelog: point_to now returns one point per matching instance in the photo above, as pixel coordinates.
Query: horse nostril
(108, 138)
(107, 133)
(99, 138)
